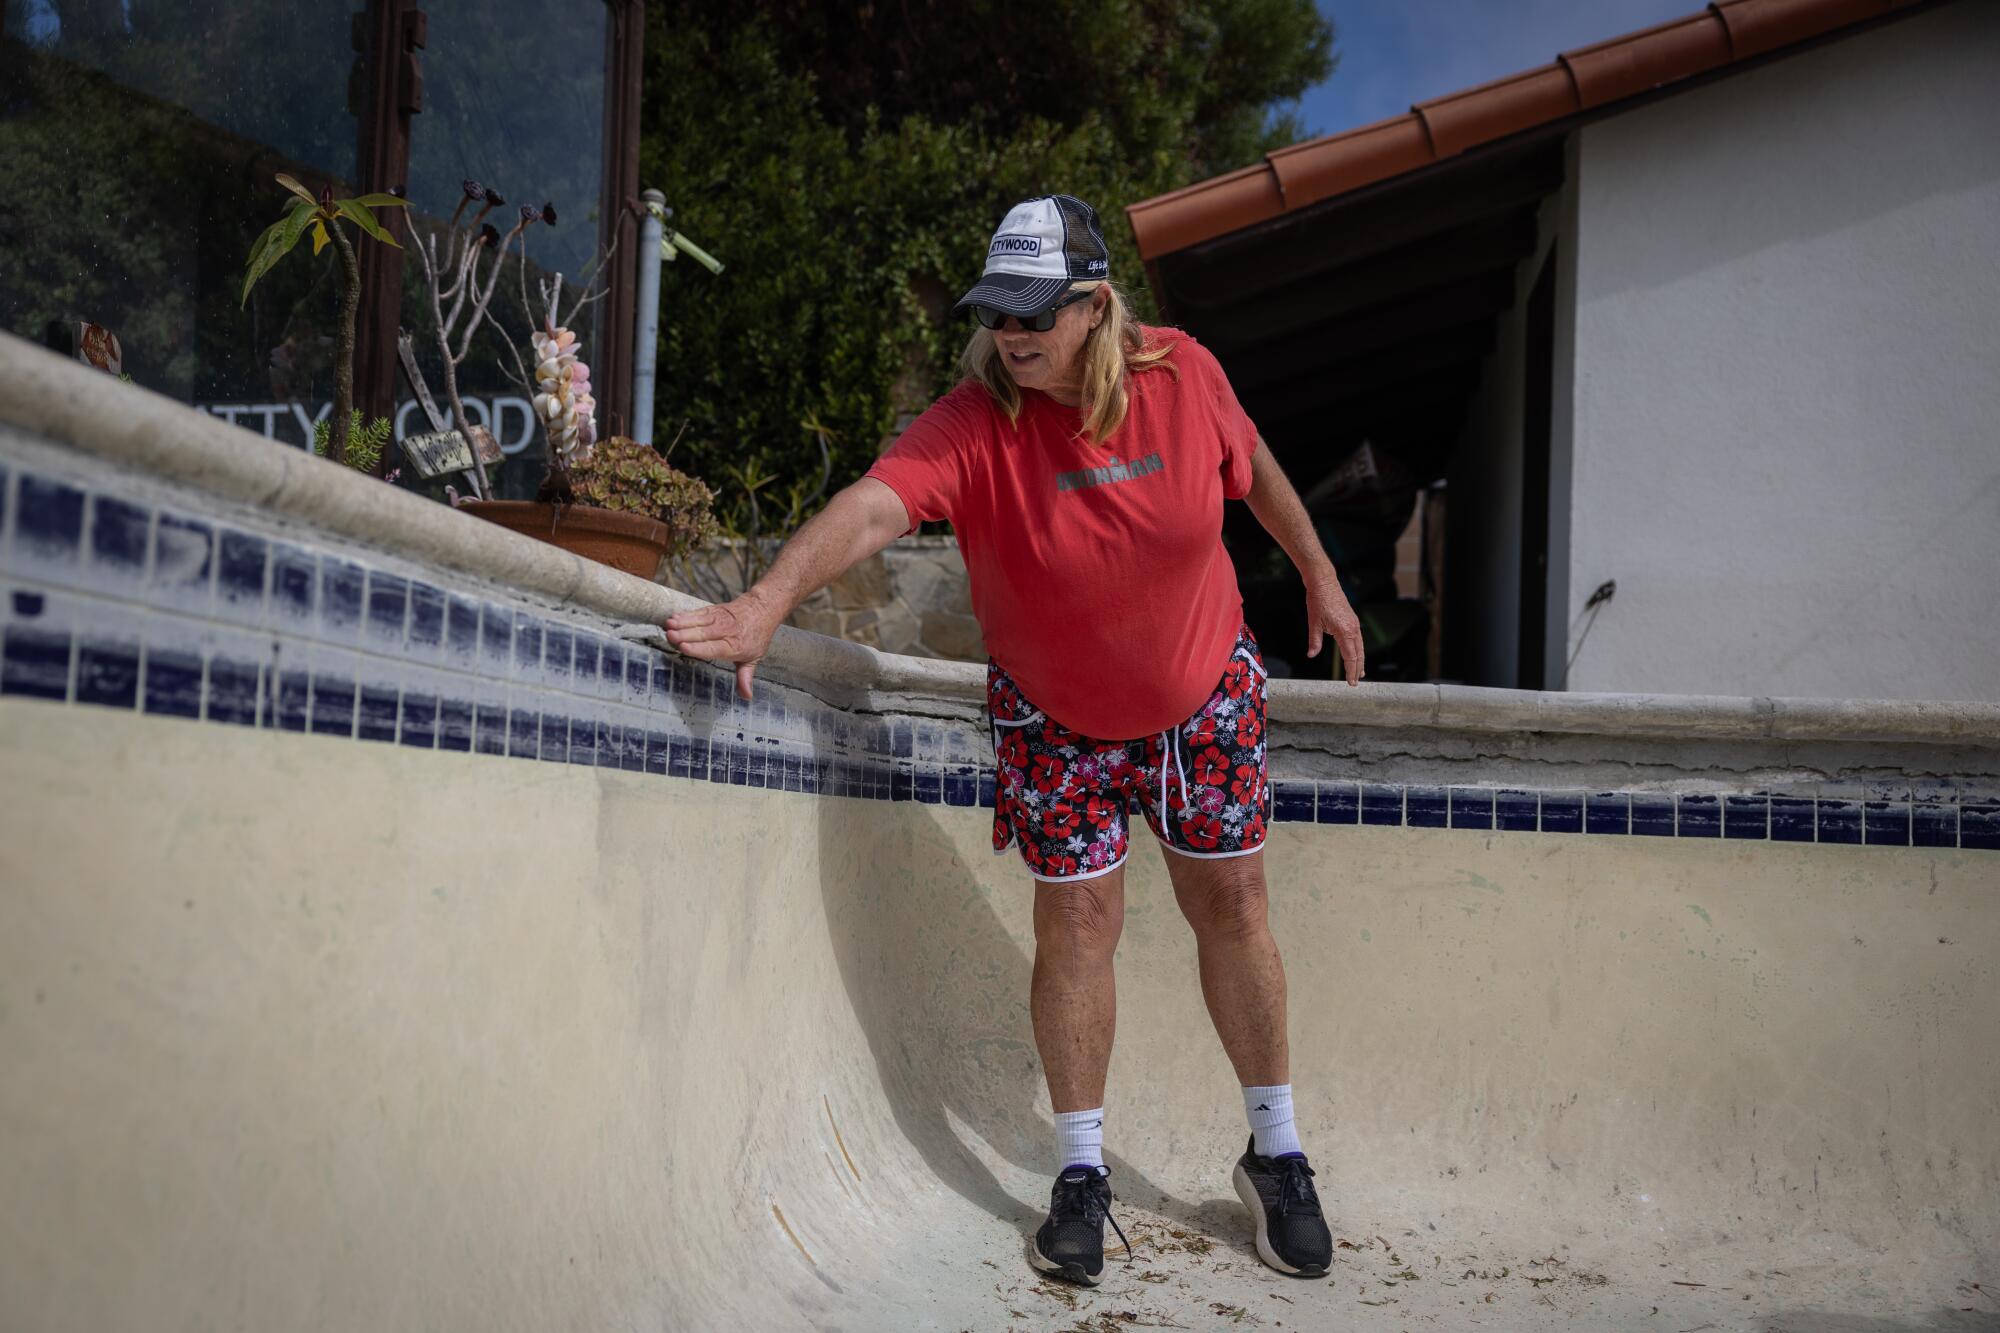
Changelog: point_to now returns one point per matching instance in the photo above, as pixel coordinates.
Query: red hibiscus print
(1202, 786)
(1211, 767)
(1249, 729)
(1244, 784)
(1060, 819)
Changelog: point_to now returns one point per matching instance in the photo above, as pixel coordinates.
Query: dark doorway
(1537, 401)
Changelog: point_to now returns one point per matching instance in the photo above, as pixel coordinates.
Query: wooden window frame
(389, 36)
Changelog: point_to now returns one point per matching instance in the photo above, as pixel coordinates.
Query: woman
(1083, 462)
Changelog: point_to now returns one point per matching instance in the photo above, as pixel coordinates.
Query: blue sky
(1395, 52)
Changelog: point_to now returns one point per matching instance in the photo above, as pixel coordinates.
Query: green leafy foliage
(276, 242)
(365, 441)
(625, 475)
(357, 212)
(308, 211)
(849, 163)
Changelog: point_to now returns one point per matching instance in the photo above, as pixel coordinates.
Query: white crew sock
(1270, 1112)
(1081, 1135)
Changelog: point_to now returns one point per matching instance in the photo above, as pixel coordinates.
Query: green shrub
(848, 164)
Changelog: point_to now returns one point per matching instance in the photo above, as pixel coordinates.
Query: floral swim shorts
(1203, 785)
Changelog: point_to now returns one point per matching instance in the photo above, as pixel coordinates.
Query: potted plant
(322, 215)
(617, 501)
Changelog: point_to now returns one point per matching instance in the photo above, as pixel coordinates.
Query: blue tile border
(1381, 804)
(1607, 812)
(1562, 812)
(1516, 810)
(1700, 816)
(1339, 802)
(107, 671)
(1791, 819)
(1839, 822)
(1979, 825)
(1471, 807)
(1292, 802)
(1425, 807)
(124, 604)
(1746, 817)
(1652, 815)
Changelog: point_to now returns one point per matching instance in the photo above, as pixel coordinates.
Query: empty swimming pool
(393, 936)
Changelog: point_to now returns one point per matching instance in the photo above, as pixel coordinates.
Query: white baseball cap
(1042, 246)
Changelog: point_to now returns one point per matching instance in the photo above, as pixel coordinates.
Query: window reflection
(138, 139)
(514, 101)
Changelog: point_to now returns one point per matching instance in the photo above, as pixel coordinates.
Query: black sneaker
(1291, 1234)
(1071, 1243)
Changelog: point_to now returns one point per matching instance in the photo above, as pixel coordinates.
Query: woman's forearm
(1278, 507)
(859, 521)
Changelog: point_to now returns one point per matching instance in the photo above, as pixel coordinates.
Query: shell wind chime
(562, 399)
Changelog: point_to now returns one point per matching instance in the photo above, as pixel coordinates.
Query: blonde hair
(1116, 347)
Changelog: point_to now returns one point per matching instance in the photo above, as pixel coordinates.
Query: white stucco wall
(1787, 375)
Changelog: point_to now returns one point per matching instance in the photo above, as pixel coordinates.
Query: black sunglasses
(1042, 322)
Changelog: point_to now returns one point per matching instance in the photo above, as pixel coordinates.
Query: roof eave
(1588, 79)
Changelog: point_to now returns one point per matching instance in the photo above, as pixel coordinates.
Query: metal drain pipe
(646, 349)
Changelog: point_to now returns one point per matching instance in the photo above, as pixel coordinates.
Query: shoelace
(1295, 1188)
(1090, 1200)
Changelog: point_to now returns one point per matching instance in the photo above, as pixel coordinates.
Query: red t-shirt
(1098, 572)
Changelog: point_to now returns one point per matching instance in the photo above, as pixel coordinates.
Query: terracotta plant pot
(627, 542)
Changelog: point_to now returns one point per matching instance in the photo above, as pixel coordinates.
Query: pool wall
(393, 935)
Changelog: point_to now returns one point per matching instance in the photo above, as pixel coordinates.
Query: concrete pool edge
(80, 408)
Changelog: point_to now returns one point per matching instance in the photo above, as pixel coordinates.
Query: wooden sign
(406, 352)
(437, 453)
(485, 446)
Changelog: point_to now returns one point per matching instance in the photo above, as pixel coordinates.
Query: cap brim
(1015, 293)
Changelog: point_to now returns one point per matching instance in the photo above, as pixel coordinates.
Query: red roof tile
(1728, 31)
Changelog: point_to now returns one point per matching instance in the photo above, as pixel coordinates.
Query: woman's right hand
(738, 631)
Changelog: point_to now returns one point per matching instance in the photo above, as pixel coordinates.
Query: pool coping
(84, 409)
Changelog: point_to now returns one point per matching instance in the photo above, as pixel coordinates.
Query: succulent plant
(623, 474)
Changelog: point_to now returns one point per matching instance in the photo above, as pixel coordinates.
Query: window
(139, 138)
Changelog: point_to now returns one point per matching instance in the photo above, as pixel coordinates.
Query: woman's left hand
(1327, 612)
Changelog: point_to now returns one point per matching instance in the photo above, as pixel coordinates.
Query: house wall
(1787, 317)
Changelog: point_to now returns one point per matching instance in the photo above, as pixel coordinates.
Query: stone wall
(910, 598)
